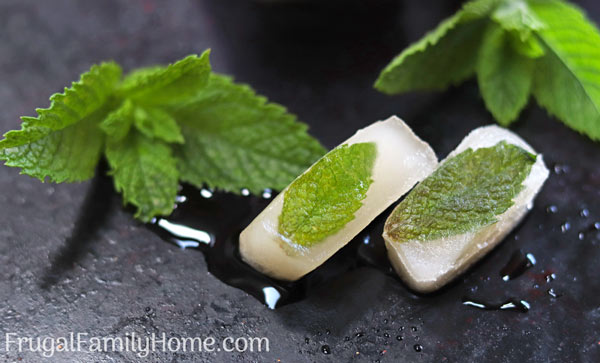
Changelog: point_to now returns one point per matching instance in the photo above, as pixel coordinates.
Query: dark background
(320, 60)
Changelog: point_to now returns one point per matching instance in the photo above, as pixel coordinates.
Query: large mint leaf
(504, 75)
(467, 192)
(235, 139)
(567, 80)
(145, 172)
(321, 201)
(64, 142)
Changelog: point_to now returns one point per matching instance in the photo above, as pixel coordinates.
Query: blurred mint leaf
(567, 79)
(445, 56)
(504, 76)
(563, 45)
(235, 139)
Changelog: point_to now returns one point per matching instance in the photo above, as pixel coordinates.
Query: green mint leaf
(444, 56)
(63, 142)
(465, 193)
(530, 47)
(235, 139)
(321, 201)
(156, 123)
(504, 76)
(165, 85)
(145, 171)
(118, 123)
(567, 80)
(66, 155)
(516, 15)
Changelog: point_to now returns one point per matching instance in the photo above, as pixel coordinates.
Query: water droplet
(550, 277)
(553, 293)
(584, 213)
(561, 169)
(180, 199)
(565, 227)
(581, 236)
(399, 338)
(551, 209)
(367, 239)
(414, 328)
(418, 348)
(327, 331)
(359, 334)
(245, 192)
(386, 335)
(385, 321)
(267, 193)
(306, 340)
(206, 193)
(346, 338)
(325, 349)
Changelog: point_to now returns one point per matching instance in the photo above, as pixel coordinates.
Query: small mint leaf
(465, 193)
(321, 201)
(504, 76)
(517, 16)
(156, 123)
(174, 83)
(117, 124)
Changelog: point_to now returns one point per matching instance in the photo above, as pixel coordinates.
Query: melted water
(212, 221)
(517, 265)
(510, 304)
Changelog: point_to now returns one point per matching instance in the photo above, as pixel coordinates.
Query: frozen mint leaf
(145, 172)
(321, 201)
(504, 76)
(117, 124)
(567, 78)
(156, 123)
(63, 142)
(465, 193)
(235, 139)
(444, 56)
(165, 85)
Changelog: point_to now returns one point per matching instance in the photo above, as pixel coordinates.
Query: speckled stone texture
(109, 276)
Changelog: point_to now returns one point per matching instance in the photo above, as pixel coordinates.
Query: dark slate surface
(108, 276)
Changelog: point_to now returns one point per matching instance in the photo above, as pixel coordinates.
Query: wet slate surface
(111, 275)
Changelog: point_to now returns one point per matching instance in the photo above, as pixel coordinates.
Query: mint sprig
(159, 126)
(517, 48)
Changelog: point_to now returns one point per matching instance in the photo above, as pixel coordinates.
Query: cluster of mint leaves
(321, 201)
(465, 193)
(517, 48)
(159, 126)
